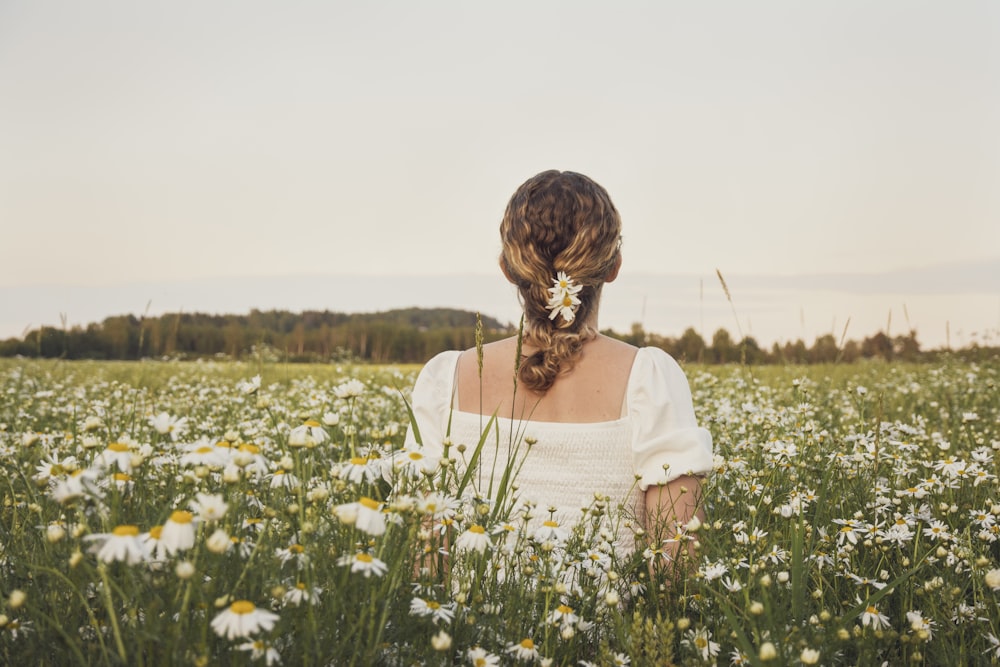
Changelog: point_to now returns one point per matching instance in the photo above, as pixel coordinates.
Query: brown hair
(558, 221)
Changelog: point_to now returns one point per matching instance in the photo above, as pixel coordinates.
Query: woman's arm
(669, 509)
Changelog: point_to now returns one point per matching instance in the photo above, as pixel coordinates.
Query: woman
(597, 416)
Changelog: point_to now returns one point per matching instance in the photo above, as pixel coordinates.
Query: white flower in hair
(563, 300)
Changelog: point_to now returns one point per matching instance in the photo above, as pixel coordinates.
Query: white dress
(654, 441)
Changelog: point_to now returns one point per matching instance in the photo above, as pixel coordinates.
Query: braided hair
(558, 221)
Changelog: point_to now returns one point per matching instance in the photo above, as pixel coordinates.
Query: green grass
(853, 512)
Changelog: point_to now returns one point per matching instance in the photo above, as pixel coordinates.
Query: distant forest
(411, 335)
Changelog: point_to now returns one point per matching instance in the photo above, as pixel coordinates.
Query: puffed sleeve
(666, 439)
(431, 401)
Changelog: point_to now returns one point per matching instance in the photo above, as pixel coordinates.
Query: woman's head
(558, 222)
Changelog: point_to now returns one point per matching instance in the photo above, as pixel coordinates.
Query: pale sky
(157, 142)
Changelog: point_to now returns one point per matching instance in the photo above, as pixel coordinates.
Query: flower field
(220, 513)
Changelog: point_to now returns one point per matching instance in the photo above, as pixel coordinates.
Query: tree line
(410, 335)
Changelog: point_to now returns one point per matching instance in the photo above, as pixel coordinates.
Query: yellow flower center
(181, 516)
(364, 558)
(118, 447)
(359, 460)
(122, 477)
(551, 524)
(369, 503)
(416, 456)
(242, 607)
(477, 529)
(223, 444)
(527, 644)
(301, 586)
(433, 605)
(563, 609)
(567, 301)
(126, 530)
(296, 549)
(311, 423)
(247, 447)
(155, 532)
(203, 450)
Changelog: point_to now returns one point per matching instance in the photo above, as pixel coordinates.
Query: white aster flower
(413, 462)
(359, 469)
(300, 593)
(873, 617)
(523, 650)
(282, 479)
(438, 505)
(204, 453)
(563, 299)
(550, 531)
(309, 434)
(177, 533)
(563, 615)
(116, 454)
(366, 515)
(78, 484)
(364, 563)
(249, 386)
(350, 389)
(219, 541)
(441, 641)
(165, 424)
(473, 539)
(701, 641)
(433, 609)
(122, 544)
(242, 619)
(209, 507)
(924, 627)
(479, 657)
(261, 649)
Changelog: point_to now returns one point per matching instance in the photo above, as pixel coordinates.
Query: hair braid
(558, 221)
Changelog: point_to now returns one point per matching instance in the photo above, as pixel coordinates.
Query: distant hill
(401, 335)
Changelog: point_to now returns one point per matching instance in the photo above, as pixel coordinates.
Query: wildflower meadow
(224, 513)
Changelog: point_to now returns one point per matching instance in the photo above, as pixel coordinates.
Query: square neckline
(605, 423)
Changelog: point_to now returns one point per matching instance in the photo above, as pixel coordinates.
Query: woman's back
(593, 391)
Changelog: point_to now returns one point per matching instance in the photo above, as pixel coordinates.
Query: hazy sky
(163, 141)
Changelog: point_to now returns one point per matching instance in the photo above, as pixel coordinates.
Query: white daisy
(430, 608)
(473, 539)
(300, 593)
(209, 507)
(563, 299)
(523, 650)
(242, 619)
(165, 424)
(309, 434)
(479, 657)
(121, 544)
(366, 515)
(261, 649)
(550, 531)
(178, 532)
(116, 454)
(364, 563)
